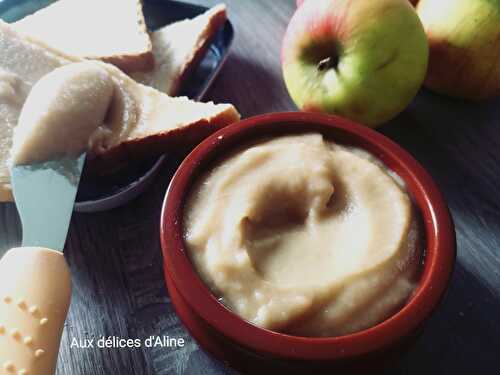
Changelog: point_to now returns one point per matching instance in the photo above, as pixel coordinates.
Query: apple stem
(326, 63)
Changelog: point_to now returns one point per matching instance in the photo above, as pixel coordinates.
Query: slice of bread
(141, 121)
(178, 47)
(111, 30)
(144, 122)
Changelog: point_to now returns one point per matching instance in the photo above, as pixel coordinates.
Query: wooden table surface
(116, 260)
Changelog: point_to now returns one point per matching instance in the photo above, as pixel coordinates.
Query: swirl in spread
(304, 236)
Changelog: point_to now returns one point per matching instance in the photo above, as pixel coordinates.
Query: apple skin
(300, 2)
(382, 55)
(464, 42)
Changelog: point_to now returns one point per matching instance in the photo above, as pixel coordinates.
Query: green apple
(361, 59)
(464, 41)
(298, 3)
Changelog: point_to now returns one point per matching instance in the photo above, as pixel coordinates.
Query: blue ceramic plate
(117, 189)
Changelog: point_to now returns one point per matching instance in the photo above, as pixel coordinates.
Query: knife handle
(35, 294)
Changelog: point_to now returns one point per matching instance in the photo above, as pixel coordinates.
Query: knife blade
(36, 282)
(45, 195)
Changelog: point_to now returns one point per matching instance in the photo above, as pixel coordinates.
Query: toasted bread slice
(112, 30)
(141, 121)
(178, 47)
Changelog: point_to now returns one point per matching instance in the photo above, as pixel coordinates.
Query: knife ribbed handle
(35, 294)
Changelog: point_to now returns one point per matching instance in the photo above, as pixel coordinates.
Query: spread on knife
(301, 235)
(62, 111)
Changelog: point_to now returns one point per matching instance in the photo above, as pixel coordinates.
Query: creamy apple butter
(62, 112)
(300, 235)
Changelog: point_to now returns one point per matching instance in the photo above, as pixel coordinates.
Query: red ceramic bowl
(256, 350)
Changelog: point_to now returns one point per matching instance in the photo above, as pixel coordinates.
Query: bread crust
(6, 193)
(218, 19)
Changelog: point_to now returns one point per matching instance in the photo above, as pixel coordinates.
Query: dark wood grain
(116, 260)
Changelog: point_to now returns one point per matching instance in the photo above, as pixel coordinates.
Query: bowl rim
(439, 229)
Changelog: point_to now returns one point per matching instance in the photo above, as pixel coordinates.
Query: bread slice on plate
(178, 47)
(141, 121)
(109, 30)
